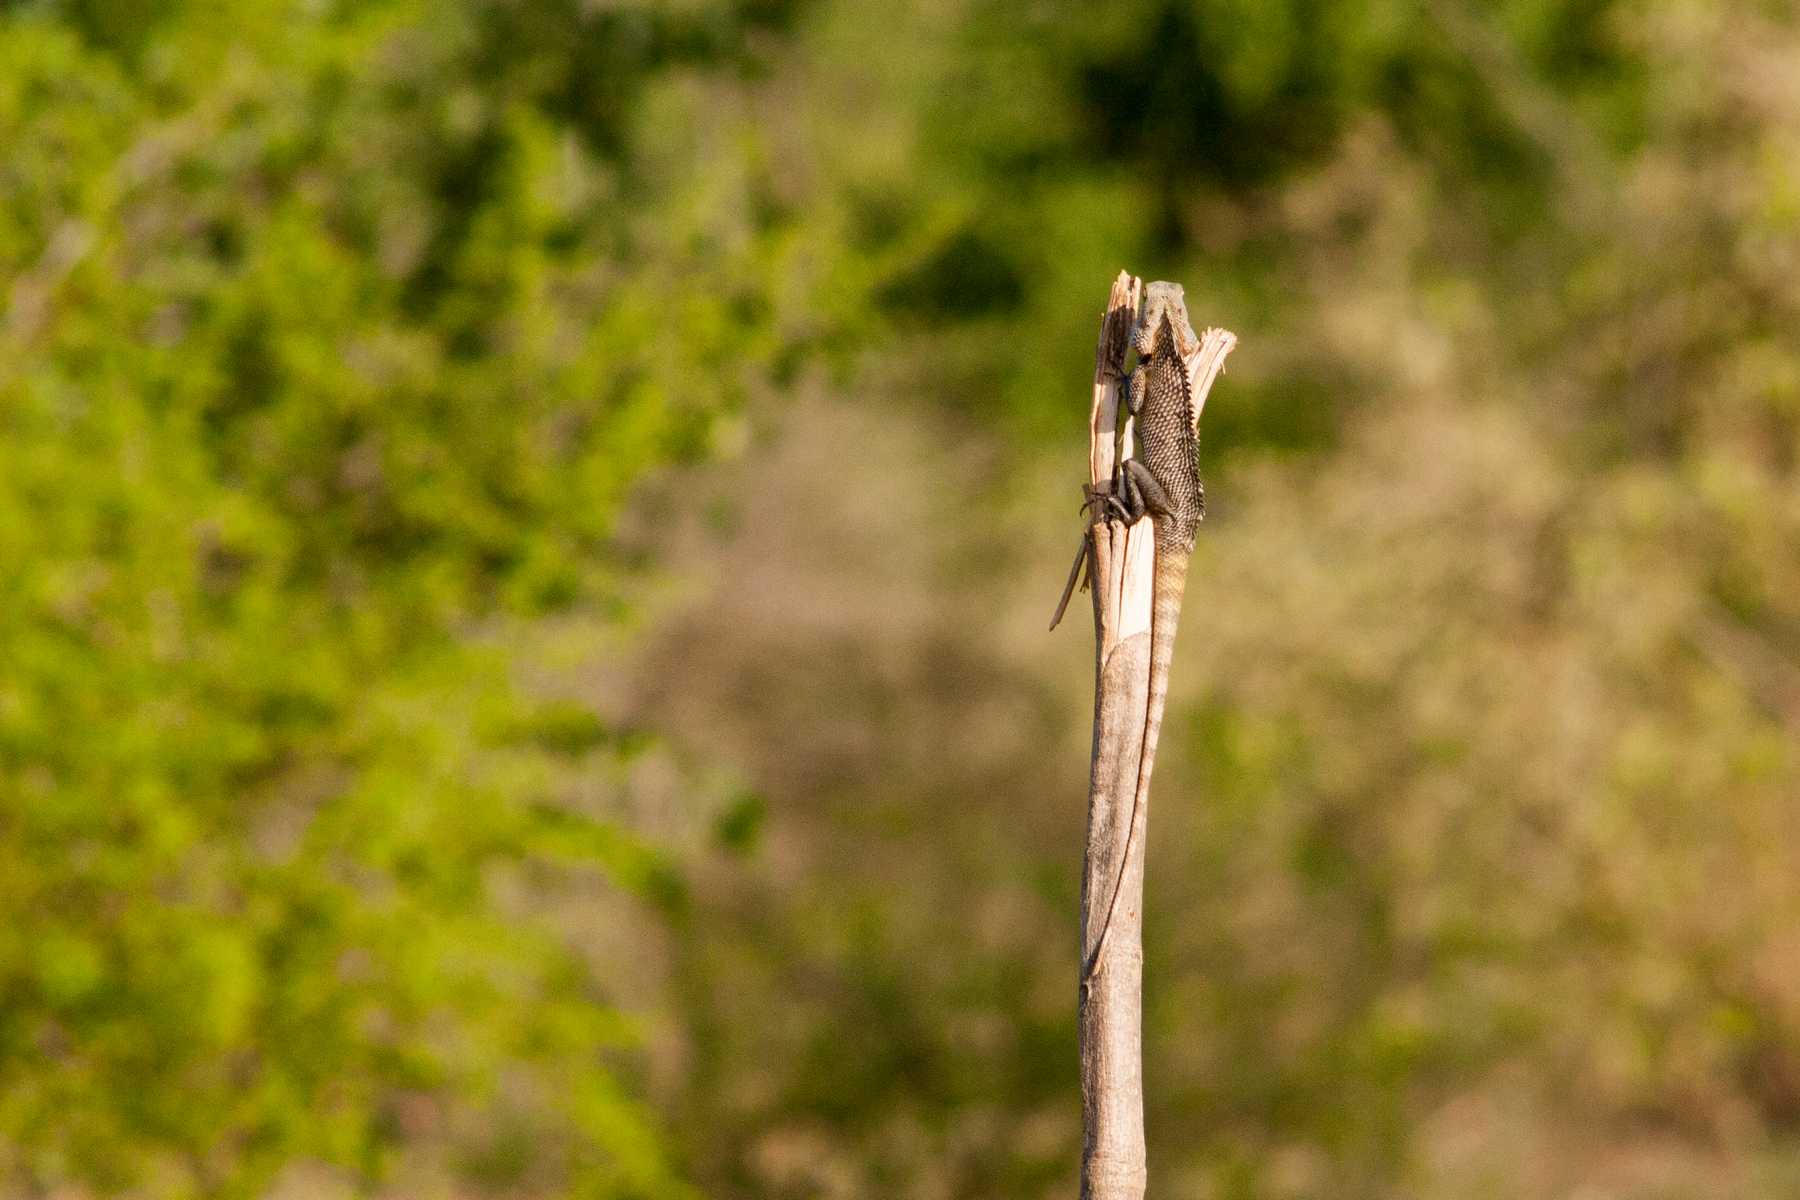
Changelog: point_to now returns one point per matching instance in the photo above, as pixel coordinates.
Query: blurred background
(526, 528)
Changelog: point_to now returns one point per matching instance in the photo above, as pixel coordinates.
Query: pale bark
(1121, 560)
(1121, 564)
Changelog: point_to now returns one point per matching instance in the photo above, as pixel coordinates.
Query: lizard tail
(1167, 588)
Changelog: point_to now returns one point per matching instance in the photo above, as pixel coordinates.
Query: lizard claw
(1107, 503)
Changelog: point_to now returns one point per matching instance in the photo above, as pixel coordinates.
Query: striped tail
(1167, 586)
(1166, 590)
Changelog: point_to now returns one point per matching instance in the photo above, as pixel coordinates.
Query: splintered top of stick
(1205, 363)
(1109, 359)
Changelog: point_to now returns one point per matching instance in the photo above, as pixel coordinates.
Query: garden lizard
(1162, 482)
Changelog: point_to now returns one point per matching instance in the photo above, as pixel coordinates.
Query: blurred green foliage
(334, 338)
(1473, 847)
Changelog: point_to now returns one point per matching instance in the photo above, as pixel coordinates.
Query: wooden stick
(1121, 565)
(1110, 1018)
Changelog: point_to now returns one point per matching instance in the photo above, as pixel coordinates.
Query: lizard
(1162, 482)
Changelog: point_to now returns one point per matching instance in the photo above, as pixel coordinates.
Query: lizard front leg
(1135, 494)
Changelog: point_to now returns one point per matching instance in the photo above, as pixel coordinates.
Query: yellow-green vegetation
(336, 337)
(333, 336)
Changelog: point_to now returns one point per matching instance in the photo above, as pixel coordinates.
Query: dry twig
(1120, 563)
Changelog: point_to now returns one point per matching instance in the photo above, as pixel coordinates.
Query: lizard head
(1162, 320)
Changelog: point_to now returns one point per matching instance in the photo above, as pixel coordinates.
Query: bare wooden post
(1121, 561)
(1110, 1016)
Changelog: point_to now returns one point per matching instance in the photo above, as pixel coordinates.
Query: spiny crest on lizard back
(1164, 341)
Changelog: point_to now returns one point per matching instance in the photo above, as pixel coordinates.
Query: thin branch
(1121, 561)
(1121, 572)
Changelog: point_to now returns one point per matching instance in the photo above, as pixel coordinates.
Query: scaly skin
(1163, 482)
